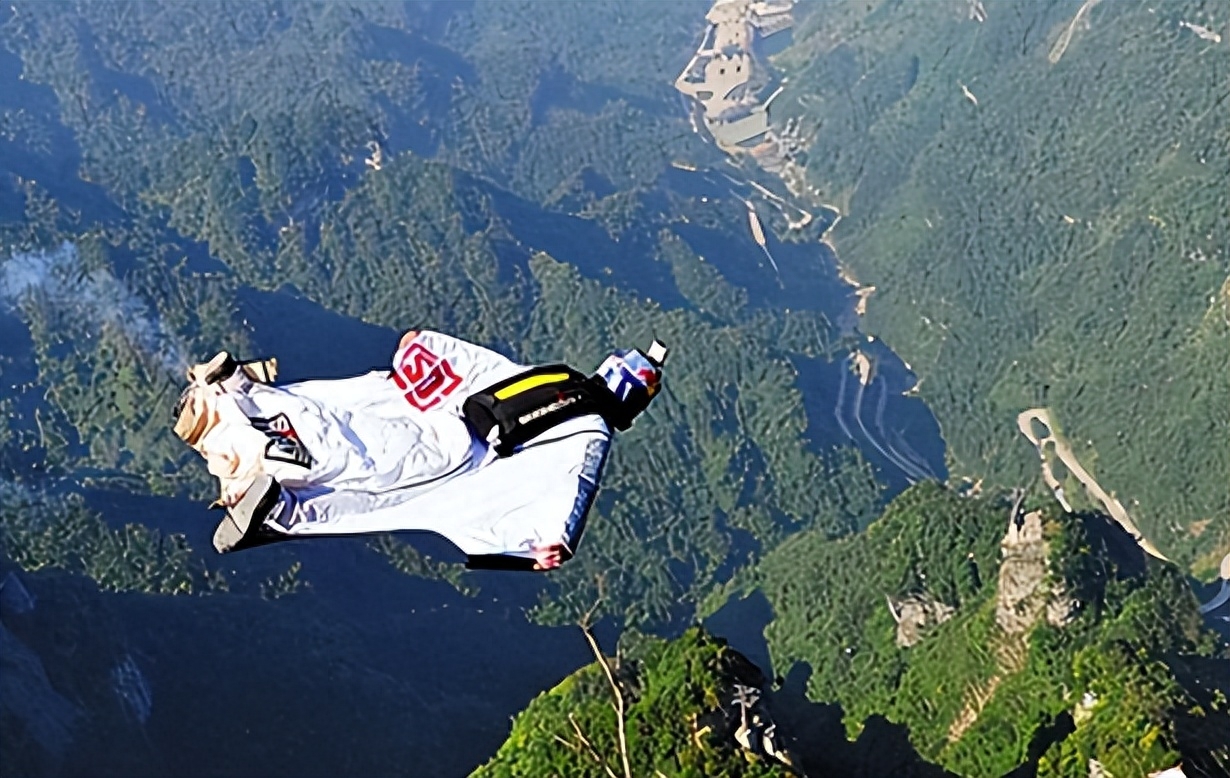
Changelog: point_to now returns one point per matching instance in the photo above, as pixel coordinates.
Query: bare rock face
(915, 613)
(1022, 592)
(1061, 609)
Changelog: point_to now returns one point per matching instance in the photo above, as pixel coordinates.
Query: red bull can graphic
(632, 377)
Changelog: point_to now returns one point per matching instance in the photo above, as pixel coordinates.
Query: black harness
(521, 408)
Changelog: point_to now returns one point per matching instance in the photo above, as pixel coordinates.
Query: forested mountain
(999, 638)
(1035, 190)
(1038, 194)
(270, 180)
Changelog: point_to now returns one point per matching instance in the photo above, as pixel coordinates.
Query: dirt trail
(1065, 37)
(1061, 449)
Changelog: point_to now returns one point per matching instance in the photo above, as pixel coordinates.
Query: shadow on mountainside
(814, 730)
(1203, 732)
(817, 734)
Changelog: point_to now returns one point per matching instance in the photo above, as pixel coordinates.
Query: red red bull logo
(649, 377)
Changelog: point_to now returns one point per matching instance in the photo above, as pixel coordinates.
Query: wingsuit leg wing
(499, 515)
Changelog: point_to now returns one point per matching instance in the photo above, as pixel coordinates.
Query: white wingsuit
(391, 450)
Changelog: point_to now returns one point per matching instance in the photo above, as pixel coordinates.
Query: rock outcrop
(914, 614)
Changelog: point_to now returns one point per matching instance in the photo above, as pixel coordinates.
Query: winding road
(1115, 508)
(1024, 422)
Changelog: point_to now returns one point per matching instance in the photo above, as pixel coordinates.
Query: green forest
(1078, 622)
(727, 456)
(1037, 192)
(1073, 646)
(665, 694)
(1059, 237)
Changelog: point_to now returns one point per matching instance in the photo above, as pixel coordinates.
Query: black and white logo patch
(284, 444)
